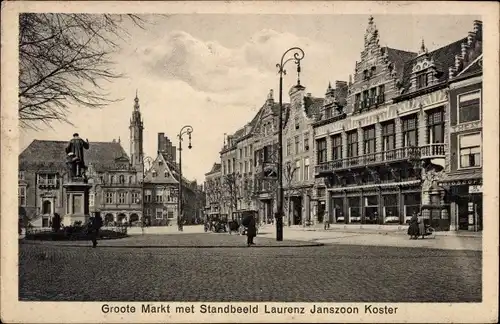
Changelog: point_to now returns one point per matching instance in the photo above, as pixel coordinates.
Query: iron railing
(399, 154)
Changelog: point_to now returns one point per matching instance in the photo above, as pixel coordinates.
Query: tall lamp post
(298, 55)
(187, 129)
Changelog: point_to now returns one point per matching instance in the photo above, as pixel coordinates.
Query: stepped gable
(443, 57)
(51, 156)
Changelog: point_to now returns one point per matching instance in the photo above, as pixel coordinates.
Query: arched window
(122, 179)
(46, 207)
(111, 179)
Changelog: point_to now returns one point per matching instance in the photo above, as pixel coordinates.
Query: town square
(249, 158)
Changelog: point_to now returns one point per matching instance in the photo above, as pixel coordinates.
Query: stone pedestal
(77, 202)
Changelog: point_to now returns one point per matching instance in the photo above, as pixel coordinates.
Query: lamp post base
(279, 227)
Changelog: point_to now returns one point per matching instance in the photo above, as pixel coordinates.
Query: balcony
(430, 151)
(399, 154)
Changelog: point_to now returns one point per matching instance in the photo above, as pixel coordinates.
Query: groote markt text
(162, 308)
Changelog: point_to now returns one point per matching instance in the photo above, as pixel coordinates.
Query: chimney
(478, 26)
(308, 94)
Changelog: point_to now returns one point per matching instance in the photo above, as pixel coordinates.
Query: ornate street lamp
(187, 129)
(298, 55)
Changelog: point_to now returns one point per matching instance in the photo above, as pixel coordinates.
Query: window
(336, 147)
(364, 104)
(121, 197)
(21, 193)
(421, 80)
(159, 213)
(306, 169)
(121, 179)
(470, 150)
(381, 94)
(296, 175)
(435, 126)
(241, 167)
(369, 140)
(246, 151)
(91, 199)
(147, 195)
(410, 131)
(388, 136)
(469, 106)
(170, 214)
(373, 96)
(250, 166)
(288, 146)
(352, 143)
(297, 144)
(328, 112)
(357, 101)
(321, 144)
(111, 179)
(297, 124)
(246, 167)
(241, 153)
(154, 174)
(109, 197)
(47, 179)
(130, 179)
(159, 195)
(20, 175)
(306, 142)
(135, 197)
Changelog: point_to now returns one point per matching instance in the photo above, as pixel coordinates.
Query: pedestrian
(251, 230)
(413, 228)
(421, 225)
(94, 227)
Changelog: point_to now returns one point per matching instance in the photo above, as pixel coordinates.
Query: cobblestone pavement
(334, 273)
(377, 239)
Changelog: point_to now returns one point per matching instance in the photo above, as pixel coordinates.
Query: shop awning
(462, 179)
(377, 185)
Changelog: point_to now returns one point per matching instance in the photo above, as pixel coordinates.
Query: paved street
(292, 272)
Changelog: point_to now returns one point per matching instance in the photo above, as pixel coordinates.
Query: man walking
(94, 227)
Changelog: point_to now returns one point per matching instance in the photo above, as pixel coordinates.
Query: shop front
(467, 206)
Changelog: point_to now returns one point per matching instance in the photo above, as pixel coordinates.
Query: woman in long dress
(413, 229)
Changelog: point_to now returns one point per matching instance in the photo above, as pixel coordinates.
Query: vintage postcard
(210, 161)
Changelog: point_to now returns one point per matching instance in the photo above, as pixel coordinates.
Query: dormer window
(365, 75)
(165, 174)
(153, 174)
(422, 80)
(373, 70)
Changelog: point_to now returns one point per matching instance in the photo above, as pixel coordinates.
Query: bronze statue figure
(75, 156)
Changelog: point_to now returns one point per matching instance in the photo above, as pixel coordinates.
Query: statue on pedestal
(75, 156)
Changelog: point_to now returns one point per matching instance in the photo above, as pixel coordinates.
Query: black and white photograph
(249, 161)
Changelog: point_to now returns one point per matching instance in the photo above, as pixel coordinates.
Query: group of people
(417, 227)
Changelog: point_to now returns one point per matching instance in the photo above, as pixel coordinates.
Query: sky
(214, 71)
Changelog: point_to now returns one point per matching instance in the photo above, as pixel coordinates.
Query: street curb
(301, 245)
(382, 232)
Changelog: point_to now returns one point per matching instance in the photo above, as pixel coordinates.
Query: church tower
(136, 139)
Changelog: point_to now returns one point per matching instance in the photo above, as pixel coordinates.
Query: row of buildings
(125, 189)
(403, 135)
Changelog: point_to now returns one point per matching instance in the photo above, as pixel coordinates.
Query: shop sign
(475, 189)
(471, 219)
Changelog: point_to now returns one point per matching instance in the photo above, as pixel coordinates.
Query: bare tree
(230, 189)
(64, 59)
(213, 192)
(289, 172)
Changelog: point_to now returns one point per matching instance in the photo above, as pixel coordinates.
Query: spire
(371, 34)
(329, 90)
(423, 49)
(298, 72)
(136, 100)
(270, 95)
